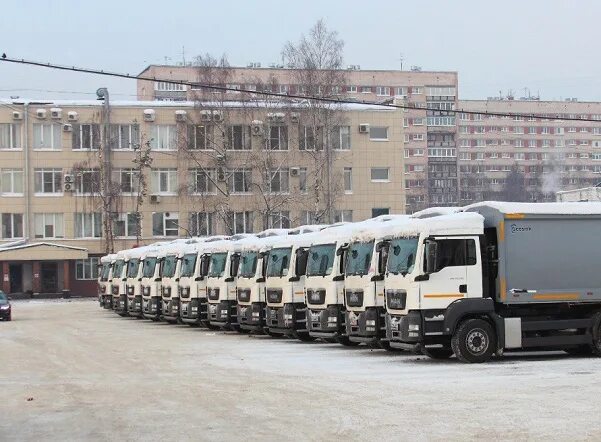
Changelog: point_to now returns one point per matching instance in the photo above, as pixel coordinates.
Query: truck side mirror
(431, 256)
(199, 278)
(229, 279)
(260, 279)
(343, 248)
(338, 278)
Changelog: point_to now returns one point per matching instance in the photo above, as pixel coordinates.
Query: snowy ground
(72, 371)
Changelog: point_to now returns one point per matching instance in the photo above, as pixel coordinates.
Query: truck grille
(354, 298)
(274, 296)
(213, 294)
(243, 295)
(316, 297)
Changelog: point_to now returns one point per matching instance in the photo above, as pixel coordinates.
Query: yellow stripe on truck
(556, 296)
(514, 216)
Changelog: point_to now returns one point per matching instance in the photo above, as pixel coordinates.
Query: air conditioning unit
(257, 127)
(17, 115)
(149, 115)
(67, 128)
(68, 178)
(363, 128)
(217, 115)
(40, 113)
(72, 116)
(180, 116)
(56, 113)
(68, 183)
(294, 171)
(205, 116)
(155, 199)
(294, 118)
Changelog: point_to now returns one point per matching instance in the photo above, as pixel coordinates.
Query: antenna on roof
(401, 59)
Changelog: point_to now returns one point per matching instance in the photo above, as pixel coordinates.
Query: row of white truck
(472, 282)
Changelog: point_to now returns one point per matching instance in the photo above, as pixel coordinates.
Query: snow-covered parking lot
(72, 371)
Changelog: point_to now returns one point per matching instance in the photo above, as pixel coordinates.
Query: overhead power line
(286, 95)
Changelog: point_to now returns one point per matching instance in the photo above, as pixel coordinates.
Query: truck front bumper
(107, 301)
(151, 308)
(327, 322)
(120, 304)
(134, 305)
(223, 314)
(286, 320)
(170, 309)
(404, 329)
(251, 317)
(367, 326)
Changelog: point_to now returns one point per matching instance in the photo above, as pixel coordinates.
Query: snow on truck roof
(436, 211)
(565, 208)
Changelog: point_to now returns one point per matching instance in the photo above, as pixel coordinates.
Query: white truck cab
(105, 275)
(151, 285)
(285, 313)
(364, 283)
(118, 290)
(133, 283)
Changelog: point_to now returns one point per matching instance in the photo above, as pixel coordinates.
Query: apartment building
(559, 152)
(431, 174)
(232, 169)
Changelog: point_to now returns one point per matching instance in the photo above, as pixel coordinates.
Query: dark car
(5, 308)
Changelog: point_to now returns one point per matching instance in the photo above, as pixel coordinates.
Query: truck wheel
(386, 346)
(474, 341)
(304, 336)
(596, 347)
(345, 340)
(438, 353)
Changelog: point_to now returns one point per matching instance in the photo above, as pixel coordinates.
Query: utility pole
(106, 172)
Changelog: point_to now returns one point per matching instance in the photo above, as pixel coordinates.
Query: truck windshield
(217, 264)
(118, 268)
(359, 258)
(248, 265)
(132, 267)
(279, 261)
(104, 274)
(148, 267)
(401, 255)
(168, 267)
(188, 265)
(321, 259)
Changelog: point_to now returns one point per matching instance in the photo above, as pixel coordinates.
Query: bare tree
(316, 63)
(514, 188)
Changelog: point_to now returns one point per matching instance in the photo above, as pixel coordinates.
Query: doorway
(49, 275)
(16, 278)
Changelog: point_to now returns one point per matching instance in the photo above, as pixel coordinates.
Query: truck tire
(304, 336)
(386, 346)
(596, 347)
(438, 353)
(474, 341)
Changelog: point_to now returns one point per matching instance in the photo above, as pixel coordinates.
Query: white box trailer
(500, 277)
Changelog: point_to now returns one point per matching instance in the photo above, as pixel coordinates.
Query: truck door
(456, 274)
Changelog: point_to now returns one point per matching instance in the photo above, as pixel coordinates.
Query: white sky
(549, 46)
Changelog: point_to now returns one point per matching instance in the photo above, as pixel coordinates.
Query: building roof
(41, 251)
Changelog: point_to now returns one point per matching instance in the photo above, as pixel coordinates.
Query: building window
(382, 91)
(125, 136)
(239, 222)
(47, 136)
(238, 137)
(164, 181)
(418, 121)
(351, 89)
(343, 216)
(86, 137)
(378, 133)
(348, 180)
(202, 181)
(278, 180)
(127, 179)
(127, 225)
(88, 225)
(11, 182)
(10, 136)
(310, 138)
(48, 181)
(277, 138)
(380, 174)
(400, 91)
(87, 182)
(201, 224)
(164, 86)
(48, 225)
(365, 90)
(86, 269)
(302, 179)
(239, 180)
(444, 91)
(341, 137)
(418, 137)
(165, 224)
(279, 220)
(416, 90)
(442, 152)
(12, 225)
(441, 121)
(379, 211)
(200, 137)
(163, 137)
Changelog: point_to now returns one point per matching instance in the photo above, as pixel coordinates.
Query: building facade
(214, 170)
(498, 154)
(430, 131)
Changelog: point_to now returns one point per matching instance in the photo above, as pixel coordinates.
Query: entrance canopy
(41, 251)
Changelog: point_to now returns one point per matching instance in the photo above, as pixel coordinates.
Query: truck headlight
(413, 327)
(130, 290)
(147, 291)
